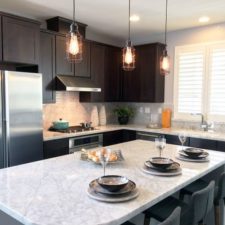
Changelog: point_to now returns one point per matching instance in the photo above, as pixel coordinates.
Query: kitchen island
(54, 191)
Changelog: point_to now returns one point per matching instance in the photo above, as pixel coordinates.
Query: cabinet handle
(149, 135)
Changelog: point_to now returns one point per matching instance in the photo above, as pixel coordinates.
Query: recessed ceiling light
(203, 19)
(134, 18)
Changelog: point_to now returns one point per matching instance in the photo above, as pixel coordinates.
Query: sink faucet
(204, 124)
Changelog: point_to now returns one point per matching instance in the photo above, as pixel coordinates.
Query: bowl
(193, 152)
(112, 183)
(161, 162)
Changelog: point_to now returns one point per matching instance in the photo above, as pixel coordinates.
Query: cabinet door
(20, 41)
(172, 139)
(113, 84)
(47, 66)
(152, 83)
(112, 137)
(129, 135)
(82, 69)
(0, 39)
(203, 143)
(221, 146)
(56, 148)
(63, 67)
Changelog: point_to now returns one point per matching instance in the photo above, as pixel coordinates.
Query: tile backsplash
(69, 108)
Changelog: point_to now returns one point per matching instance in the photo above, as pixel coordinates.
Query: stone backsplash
(69, 108)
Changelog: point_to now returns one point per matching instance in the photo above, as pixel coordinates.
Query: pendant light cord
(129, 23)
(166, 23)
(74, 11)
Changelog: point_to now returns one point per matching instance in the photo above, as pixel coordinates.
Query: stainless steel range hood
(70, 83)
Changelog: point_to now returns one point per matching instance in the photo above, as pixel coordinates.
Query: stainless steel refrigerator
(21, 139)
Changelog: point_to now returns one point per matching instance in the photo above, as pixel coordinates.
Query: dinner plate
(127, 189)
(160, 173)
(112, 198)
(173, 167)
(183, 158)
(202, 156)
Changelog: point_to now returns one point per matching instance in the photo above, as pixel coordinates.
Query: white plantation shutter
(189, 74)
(217, 80)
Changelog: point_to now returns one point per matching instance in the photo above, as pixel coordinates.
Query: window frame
(207, 75)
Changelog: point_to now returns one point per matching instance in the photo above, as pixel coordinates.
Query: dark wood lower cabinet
(173, 139)
(221, 146)
(56, 148)
(203, 143)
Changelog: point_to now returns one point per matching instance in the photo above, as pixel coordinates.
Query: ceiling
(110, 17)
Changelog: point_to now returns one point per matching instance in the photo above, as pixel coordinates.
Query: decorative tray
(91, 156)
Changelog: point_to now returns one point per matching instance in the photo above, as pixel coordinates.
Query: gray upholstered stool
(174, 218)
(193, 213)
(219, 199)
(127, 223)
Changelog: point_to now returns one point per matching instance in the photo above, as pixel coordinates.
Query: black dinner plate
(173, 167)
(202, 156)
(126, 190)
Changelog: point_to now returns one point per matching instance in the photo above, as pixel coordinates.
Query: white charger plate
(163, 174)
(183, 158)
(112, 199)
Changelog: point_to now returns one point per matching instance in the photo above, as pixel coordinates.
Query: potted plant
(124, 113)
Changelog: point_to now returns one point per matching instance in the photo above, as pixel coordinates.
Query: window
(199, 81)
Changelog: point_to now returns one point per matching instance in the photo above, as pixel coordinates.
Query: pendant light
(74, 42)
(165, 59)
(128, 51)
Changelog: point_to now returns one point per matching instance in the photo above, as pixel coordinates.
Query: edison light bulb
(128, 56)
(165, 63)
(74, 45)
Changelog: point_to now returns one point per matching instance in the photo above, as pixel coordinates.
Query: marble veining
(54, 191)
(173, 131)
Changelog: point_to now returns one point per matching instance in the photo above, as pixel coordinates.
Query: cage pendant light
(165, 59)
(128, 51)
(74, 41)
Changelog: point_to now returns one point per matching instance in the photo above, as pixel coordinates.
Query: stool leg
(217, 214)
(147, 220)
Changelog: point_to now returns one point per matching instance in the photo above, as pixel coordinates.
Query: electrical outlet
(141, 110)
(147, 110)
(160, 110)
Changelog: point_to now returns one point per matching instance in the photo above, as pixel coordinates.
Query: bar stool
(219, 199)
(174, 218)
(191, 214)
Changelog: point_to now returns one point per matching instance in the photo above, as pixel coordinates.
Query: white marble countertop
(48, 135)
(53, 191)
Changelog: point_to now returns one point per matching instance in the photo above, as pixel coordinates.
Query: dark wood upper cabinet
(63, 67)
(47, 66)
(0, 39)
(20, 40)
(113, 81)
(144, 83)
(97, 74)
(82, 69)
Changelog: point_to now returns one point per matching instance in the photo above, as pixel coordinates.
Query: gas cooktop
(73, 129)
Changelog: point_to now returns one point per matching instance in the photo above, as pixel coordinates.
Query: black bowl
(161, 162)
(193, 152)
(112, 183)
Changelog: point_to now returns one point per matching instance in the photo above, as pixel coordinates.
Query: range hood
(70, 83)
